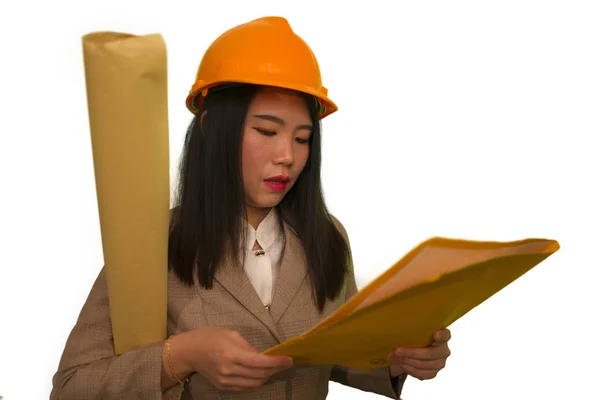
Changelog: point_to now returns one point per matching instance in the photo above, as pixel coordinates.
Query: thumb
(441, 337)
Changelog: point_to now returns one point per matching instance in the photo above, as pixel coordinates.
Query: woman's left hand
(424, 363)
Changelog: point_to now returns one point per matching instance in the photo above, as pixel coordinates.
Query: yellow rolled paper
(126, 82)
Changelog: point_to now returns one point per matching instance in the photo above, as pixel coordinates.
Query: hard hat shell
(264, 51)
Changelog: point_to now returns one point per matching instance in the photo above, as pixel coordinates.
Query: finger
(243, 353)
(258, 360)
(434, 365)
(442, 336)
(420, 374)
(426, 353)
(254, 373)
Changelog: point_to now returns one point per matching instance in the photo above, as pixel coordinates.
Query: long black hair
(210, 201)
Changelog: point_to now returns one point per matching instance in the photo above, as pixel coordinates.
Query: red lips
(277, 183)
(279, 179)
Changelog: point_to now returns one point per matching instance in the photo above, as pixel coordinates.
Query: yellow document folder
(434, 285)
(126, 82)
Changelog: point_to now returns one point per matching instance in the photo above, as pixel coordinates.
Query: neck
(256, 215)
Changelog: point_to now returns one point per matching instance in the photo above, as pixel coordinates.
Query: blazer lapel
(293, 271)
(234, 280)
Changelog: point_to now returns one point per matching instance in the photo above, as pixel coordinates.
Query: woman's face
(275, 147)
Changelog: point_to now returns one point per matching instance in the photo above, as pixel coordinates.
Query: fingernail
(399, 352)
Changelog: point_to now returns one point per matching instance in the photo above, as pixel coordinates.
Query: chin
(271, 204)
(269, 201)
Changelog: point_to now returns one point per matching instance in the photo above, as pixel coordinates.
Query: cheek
(301, 156)
(252, 160)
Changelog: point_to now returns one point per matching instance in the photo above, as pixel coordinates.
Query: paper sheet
(434, 285)
(126, 81)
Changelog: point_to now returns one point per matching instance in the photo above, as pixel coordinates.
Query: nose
(285, 152)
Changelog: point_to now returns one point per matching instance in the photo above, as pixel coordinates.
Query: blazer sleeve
(377, 380)
(89, 368)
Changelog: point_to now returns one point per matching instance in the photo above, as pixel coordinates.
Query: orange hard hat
(264, 51)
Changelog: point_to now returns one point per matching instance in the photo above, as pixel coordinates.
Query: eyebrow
(279, 121)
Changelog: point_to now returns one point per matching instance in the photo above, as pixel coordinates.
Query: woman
(254, 256)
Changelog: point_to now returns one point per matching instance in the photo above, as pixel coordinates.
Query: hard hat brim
(197, 93)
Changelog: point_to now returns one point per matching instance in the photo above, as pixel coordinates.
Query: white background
(469, 119)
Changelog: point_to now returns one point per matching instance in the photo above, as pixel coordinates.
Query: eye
(302, 141)
(265, 132)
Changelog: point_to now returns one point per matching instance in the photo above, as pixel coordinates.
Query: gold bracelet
(168, 350)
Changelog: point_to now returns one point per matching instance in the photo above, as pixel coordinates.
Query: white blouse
(261, 266)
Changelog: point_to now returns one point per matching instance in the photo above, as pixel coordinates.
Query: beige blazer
(89, 368)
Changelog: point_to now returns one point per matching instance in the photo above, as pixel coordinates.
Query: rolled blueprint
(126, 82)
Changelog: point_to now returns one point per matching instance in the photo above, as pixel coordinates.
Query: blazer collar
(293, 270)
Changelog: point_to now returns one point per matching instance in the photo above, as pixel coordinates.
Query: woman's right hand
(226, 359)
